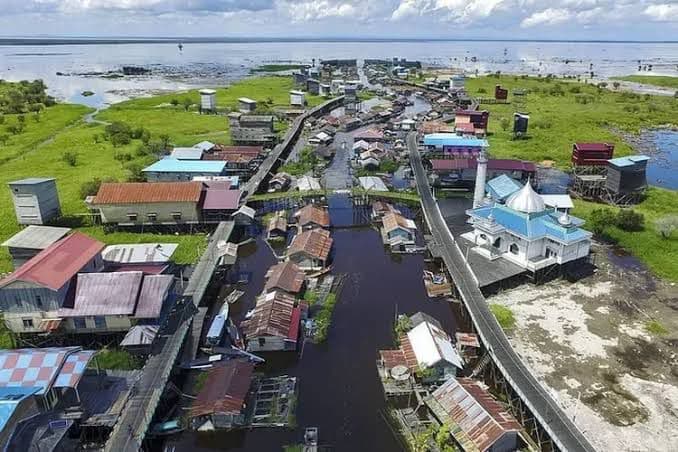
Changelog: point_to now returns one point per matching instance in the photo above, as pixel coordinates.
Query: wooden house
(310, 249)
(285, 276)
(311, 216)
(160, 203)
(398, 230)
(27, 243)
(277, 226)
(36, 200)
(208, 100)
(31, 296)
(275, 323)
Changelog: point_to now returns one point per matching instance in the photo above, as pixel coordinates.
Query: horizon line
(84, 39)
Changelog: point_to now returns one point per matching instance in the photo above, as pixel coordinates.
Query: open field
(656, 80)
(659, 254)
(559, 116)
(595, 346)
(38, 151)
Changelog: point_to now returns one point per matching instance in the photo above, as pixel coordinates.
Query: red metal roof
(466, 127)
(315, 242)
(599, 147)
(225, 389)
(250, 150)
(492, 164)
(313, 214)
(54, 266)
(144, 192)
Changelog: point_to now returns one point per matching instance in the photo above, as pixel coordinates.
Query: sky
(481, 19)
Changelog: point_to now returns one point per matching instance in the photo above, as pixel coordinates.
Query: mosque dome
(526, 200)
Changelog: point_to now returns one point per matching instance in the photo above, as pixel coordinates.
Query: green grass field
(656, 80)
(557, 121)
(37, 152)
(660, 255)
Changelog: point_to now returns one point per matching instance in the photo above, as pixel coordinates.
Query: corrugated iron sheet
(225, 389)
(99, 294)
(154, 291)
(147, 192)
(316, 243)
(286, 276)
(310, 214)
(274, 315)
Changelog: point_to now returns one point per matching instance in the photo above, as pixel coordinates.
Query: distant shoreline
(45, 41)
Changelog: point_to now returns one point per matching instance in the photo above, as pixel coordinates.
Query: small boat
(166, 428)
(311, 436)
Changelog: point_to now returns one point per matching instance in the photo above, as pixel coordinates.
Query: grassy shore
(656, 80)
(563, 112)
(659, 254)
(38, 151)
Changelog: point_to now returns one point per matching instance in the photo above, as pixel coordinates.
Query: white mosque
(523, 229)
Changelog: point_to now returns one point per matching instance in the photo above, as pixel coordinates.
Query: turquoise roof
(629, 161)
(10, 398)
(533, 225)
(452, 139)
(170, 165)
(501, 187)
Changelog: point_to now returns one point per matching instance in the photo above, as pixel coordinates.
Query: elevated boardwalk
(129, 432)
(562, 432)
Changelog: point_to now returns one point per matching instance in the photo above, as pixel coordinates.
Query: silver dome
(526, 200)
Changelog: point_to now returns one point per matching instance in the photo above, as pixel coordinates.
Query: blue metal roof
(533, 226)
(10, 398)
(501, 187)
(216, 328)
(452, 139)
(629, 161)
(170, 165)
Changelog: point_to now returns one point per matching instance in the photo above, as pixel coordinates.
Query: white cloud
(550, 16)
(663, 12)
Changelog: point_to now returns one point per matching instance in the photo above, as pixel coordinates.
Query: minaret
(481, 175)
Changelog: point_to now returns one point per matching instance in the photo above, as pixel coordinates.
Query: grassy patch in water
(504, 316)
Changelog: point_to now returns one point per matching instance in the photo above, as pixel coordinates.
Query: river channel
(339, 389)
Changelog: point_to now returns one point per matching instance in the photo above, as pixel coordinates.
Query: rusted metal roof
(145, 192)
(393, 221)
(275, 314)
(310, 214)
(225, 389)
(251, 150)
(58, 263)
(467, 339)
(316, 243)
(278, 222)
(285, 276)
(392, 358)
(49, 325)
(479, 420)
(408, 352)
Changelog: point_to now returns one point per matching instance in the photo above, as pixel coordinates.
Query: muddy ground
(606, 347)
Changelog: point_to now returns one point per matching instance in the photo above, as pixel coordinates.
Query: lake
(213, 64)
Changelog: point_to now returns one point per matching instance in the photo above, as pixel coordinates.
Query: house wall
(117, 213)
(508, 442)
(161, 176)
(113, 323)
(306, 262)
(400, 232)
(35, 203)
(270, 344)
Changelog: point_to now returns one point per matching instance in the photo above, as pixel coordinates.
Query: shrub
(91, 187)
(482, 91)
(630, 220)
(187, 103)
(504, 123)
(600, 219)
(4, 138)
(174, 102)
(120, 139)
(122, 157)
(656, 328)
(504, 316)
(70, 158)
(666, 225)
(135, 172)
(575, 89)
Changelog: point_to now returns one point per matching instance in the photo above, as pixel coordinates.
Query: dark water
(662, 169)
(339, 390)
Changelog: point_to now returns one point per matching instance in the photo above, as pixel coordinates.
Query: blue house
(170, 169)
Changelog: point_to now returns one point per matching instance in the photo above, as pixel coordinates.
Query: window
(497, 242)
(132, 216)
(100, 321)
(262, 341)
(152, 216)
(79, 323)
(28, 323)
(176, 215)
(38, 300)
(514, 248)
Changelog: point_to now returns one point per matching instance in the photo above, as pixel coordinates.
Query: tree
(91, 187)
(135, 172)
(21, 119)
(70, 158)
(630, 220)
(2, 119)
(165, 140)
(616, 85)
(666, 225)
(505, 123)
(174, 102)
(4, 138)
(122, 157)
(600, 219)
(120, 139)
(187, 103)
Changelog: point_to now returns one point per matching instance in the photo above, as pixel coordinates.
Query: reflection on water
(662, 169)
(210, 64)
(339, 390)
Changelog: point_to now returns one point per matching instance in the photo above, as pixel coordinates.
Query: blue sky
(520, 19)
